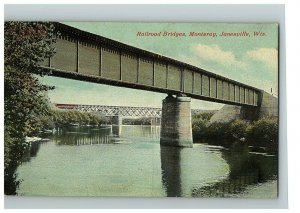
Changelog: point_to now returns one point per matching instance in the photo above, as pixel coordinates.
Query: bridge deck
(85, 56)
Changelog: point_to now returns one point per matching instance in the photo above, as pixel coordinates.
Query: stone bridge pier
(117, 125)
(176, 122)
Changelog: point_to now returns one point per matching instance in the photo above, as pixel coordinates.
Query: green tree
(205, 116)
(237, 128)
(199, 128)
(26, 45)
(264, 132)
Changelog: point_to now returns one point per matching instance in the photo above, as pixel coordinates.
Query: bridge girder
(88, 57)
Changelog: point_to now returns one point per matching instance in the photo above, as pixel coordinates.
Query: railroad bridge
(89, 57)
(119, 112)
(124, 111)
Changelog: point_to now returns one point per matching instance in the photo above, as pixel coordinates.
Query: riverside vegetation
(56, 118)
(26, 45)
(262, 132)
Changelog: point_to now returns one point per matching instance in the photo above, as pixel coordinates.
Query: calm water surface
(95, 161)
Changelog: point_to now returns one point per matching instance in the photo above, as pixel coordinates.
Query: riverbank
(266, 190)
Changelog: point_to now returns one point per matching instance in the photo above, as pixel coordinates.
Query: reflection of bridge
(125, 111)
(88, 57)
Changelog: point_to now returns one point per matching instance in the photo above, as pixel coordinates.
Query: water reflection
(171, 170)
(116, 130)
(139, 166)
(77, 136)
(104, 135)
(141, 132)
(246, 168)
(32, 150)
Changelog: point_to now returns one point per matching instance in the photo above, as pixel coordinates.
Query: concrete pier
(176, 122)
(117, 120)
(117, 125)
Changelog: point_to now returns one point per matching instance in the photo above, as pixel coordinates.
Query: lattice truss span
(121, 110)
(126, 111)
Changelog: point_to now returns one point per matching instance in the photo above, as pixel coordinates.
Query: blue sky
(251, 60)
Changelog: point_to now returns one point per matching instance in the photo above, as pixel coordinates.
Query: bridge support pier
(155, 121)
(117, 120)
(176, 122)
(117, 125)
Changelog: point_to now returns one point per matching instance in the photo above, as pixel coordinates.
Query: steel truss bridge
(124, 111)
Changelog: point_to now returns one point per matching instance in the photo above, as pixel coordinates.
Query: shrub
(218, 130)
(199, 128)
(206, 116)
(200, 123)
(237, 129)
(264, 131)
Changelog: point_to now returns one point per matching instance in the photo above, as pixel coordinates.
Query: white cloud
(266, 55)
(216, 54)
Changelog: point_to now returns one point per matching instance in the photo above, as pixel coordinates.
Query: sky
(252, 60)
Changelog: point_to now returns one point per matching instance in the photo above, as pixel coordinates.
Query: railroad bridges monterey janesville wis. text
(200, 34)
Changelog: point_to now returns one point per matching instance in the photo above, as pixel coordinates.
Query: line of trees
(137, 121)
(58, 118)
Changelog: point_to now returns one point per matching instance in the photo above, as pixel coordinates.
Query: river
(103, 161)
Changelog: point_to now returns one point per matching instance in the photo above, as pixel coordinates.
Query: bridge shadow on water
(245, 168)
